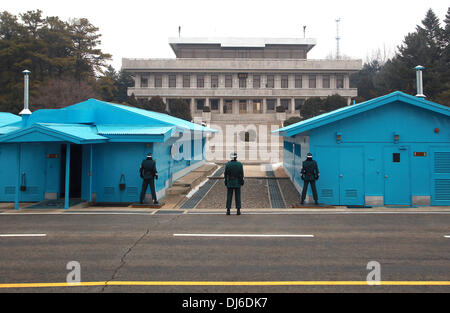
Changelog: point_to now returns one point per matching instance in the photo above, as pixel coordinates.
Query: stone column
(264, 105)
(249, 106)
(179, 83)
(278, 103)
(291, 81)
(137, 80)
(319, 81)
(206, 102)
(292, 105)
(151, 81)
(221, 105)
(192, 106)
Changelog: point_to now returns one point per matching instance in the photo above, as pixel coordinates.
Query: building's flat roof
(241, 42)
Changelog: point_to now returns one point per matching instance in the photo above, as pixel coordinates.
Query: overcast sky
(140, 29)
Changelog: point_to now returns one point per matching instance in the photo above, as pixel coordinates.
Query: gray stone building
(242, 81)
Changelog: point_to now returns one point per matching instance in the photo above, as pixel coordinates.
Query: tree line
(429, 46)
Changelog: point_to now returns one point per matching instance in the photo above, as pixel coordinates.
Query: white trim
(242, 235)
(23, 235)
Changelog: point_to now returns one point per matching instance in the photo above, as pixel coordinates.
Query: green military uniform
(310, 173)
(234, 179)
(148, 173)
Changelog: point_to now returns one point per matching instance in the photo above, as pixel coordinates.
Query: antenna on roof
(179, 31)
(337, 39)
(304, 31)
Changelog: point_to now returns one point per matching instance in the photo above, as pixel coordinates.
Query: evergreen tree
(366, 80)
(444, 96)
(53, 50)
(107, 85)
(179, 108)
(156, 104)
(424, 47)
(311, 107)
(333, 102)
(124, 81)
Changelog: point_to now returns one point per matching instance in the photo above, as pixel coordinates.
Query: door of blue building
(8, 172)
(397, 180)
(440, 176)
(32, 172)
(328, 189)
(351, 175)
(341, 180)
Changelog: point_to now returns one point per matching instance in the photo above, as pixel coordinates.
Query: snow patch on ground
(270, 167)
(193, 191)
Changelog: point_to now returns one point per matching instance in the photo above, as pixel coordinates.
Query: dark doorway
(75, 171)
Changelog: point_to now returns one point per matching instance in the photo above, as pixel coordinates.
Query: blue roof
(98, 112)
(84, 132)
(348, 111)
(133, 130)
(8, 118)
(41, 132)
(94, 120)
(8, 129)
(165, 118)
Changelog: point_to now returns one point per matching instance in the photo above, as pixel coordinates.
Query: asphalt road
(409, 247)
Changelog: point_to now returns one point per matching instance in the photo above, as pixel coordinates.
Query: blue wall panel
(112, 160)
(8, 172)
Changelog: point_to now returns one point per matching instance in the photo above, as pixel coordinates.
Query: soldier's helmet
(149, 155)
(233, 155)
(309, 156)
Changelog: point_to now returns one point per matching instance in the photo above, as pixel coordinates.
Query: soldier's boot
(228, 211)
(238, 212)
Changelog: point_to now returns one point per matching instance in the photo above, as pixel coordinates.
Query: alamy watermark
(74, 276)
(250, 141)
(374, 276)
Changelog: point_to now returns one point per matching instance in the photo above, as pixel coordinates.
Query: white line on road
(242, 235)
(23, 235)
(447, 236)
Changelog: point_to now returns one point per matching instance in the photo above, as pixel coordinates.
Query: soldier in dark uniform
(310, 173)
(148, 173)
(234, 179)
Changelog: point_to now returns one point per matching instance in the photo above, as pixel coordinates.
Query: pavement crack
(122, 259)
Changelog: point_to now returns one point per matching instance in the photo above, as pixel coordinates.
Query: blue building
(92, 150)
(392, 150)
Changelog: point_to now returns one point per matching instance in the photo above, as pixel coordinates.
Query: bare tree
(62, 92)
